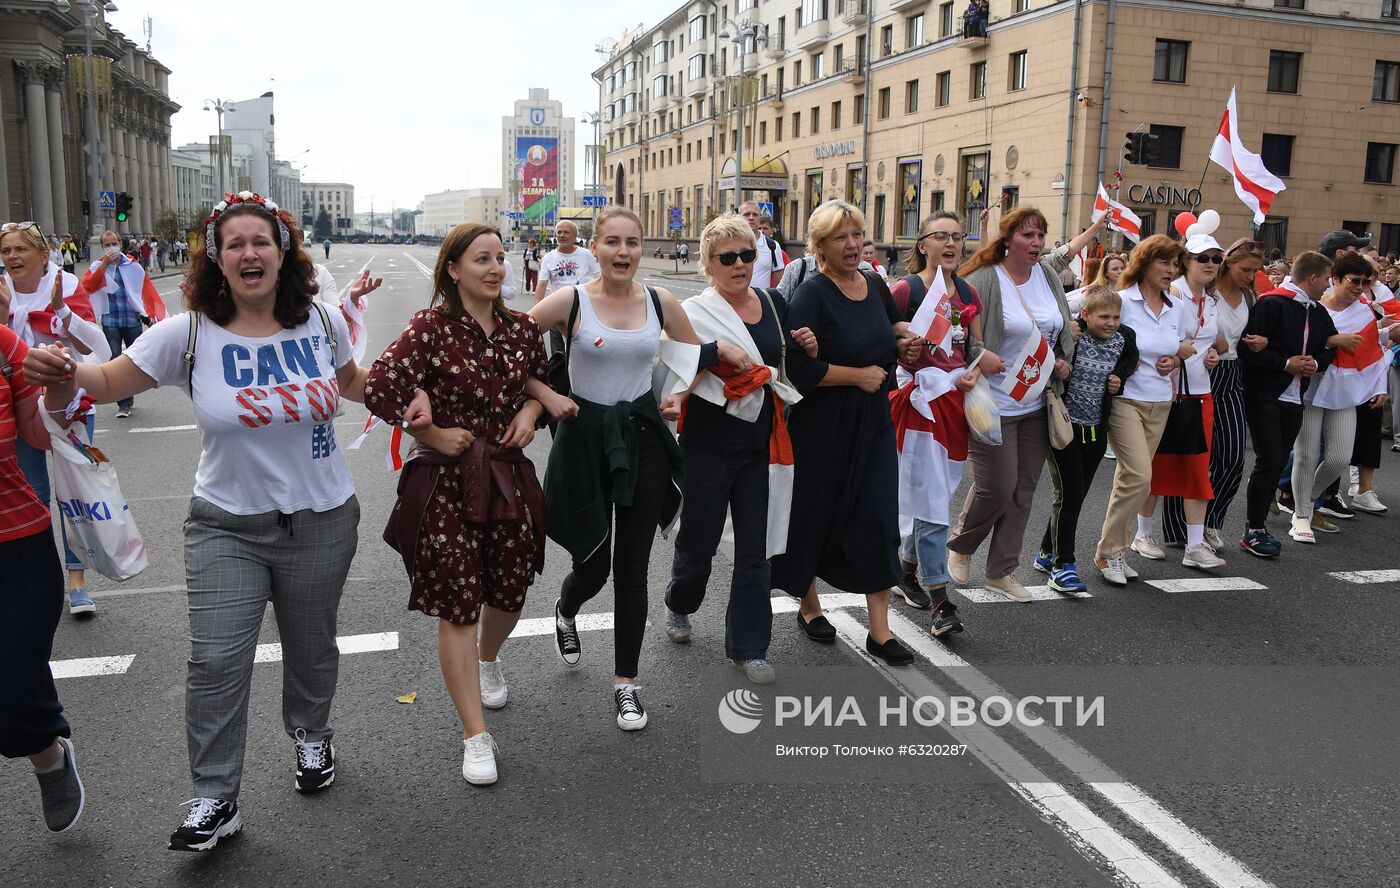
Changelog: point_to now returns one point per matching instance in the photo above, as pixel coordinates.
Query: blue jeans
(927, 547)
(34, 464)
(117, 337)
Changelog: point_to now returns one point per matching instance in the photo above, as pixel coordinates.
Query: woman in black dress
(845, 522)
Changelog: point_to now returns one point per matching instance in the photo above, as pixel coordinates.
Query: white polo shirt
(1157, 335)
(1201, 324)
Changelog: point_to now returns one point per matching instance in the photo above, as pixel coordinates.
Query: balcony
(774, 99)
(697, 87)
(777, 46)
(900, 4)
(853, 12)
(813, 34)
(852, 70)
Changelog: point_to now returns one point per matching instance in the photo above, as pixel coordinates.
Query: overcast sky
(400, 98)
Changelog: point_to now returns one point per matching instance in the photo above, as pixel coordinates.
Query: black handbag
(1185, 434)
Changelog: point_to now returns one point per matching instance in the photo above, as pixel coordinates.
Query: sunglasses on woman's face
(1355, 281)
(728, 259)
(1212, 258)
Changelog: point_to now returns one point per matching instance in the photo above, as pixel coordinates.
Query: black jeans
(117, 338)
(717, 482)
(1071, 474)
(31, 602)
(627, 551)
(1273, 427)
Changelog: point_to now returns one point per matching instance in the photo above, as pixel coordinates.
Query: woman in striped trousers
(1235, 292)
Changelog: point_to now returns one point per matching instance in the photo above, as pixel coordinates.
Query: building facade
(446, 210)
(537, 160)
(189, 173)
(43, 123)
(336, 199)
(891, 105)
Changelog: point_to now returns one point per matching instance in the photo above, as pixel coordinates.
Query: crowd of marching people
(818, 411)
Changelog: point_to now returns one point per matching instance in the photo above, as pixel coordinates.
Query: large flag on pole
(1255, 186)
(1120, 218)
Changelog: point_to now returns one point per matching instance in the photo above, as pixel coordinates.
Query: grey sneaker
(62, 792)
(677, 627)
(758, 670)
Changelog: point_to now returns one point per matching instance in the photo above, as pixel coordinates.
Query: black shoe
(209, 821)
(945, 619)
(820, 629)
(915, 595)
(1285, 501)
(315, 764)
(566, 639)
(1334, 507)
(892, 652)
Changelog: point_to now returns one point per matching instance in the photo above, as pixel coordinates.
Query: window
(1277, 154)
(945, 20)
(886, 40)
(1387, 85)
(1010, 198)
(978, 79)
(763, 132)
(1390, 239)
(860, 53)
(1016, 72)
(1390, 8)
(1169, 66)
(816, 117)
(838, 58)
(879, 233)
(629, 102)
(630, 71)
(696, 70)
(796, 124)
(1360, 229)
(910, 173)
(911, 96)
(1022, 5)
(811, 11)
(797, 73)
(697, 29)
(778, 39)
(1289, 4)
(936, 201)
(858, 110)
(660, 53)
(836, 115)
(814, 191)
(943, 88)
(914, 31)
(883, 104)
(855, 183)
(1283, 71)
(778, 128)
(818, 66)
(1168, 146)
(1380, 162)
(658, 86)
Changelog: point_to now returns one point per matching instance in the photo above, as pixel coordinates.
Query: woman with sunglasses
(924, 550)
(1184, 481)
(733, 436)
(43, 305)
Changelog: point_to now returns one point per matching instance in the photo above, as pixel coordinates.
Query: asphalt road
(1247, 738)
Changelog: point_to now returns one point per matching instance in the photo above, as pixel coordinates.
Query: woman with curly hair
(274, 515)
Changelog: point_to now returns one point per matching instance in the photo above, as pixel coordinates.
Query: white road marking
(1366, 576)
(545, 625)
(1192, 847)
(427, 272)
(348, 644)
(1207, 584)
(1086, 831)
(91, 666)
(983, 595)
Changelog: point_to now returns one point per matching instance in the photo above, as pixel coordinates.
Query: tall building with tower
(537, 161)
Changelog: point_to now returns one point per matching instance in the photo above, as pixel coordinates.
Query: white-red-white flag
(1027, 375)
(934, 319)
(1120, 218)
(1255, 186)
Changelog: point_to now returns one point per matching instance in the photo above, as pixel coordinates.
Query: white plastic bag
(101, 529)
(983, 418)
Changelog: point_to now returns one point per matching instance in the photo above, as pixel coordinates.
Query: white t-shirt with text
(560, 270)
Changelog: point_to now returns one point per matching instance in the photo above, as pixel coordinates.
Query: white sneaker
(1128, 571)
(1112, 570)
(1300, 529)
(494, 692)
(1368, 502)
(959, 567)
(1009, 586)
(479, 759)
(1214, 539)
(1201, 556)
(1148, 547)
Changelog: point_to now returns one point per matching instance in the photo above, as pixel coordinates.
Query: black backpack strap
(802, 272)
(188, 356)
(569, 329)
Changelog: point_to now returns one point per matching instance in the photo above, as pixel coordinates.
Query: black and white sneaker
(315, 763)
(913, 592)
(1336, 507)
(630, 714)
(566, 638)
(945, 619)
(209, 821)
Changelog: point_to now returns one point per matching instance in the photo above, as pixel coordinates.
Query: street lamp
(219, 106)
(90, 10)
(749, 31)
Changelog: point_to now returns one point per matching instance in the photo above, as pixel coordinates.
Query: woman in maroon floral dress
(469, 521)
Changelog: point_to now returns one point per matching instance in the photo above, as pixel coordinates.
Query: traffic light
(1149, 148)
(123, 206)
(1132, 149)
(87, 208)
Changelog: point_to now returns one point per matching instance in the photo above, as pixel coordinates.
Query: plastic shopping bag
(983, 419)
(101, 529)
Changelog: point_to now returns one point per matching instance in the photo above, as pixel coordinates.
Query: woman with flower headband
(274, 515)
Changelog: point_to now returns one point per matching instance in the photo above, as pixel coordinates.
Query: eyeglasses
(19, 226)
(728, 259)
(944, 237)
(1355, 281)
(1210, 258)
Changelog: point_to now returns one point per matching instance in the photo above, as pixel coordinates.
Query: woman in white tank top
(615, 470)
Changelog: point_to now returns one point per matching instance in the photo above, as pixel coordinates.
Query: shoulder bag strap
(569, 329)
(326, 324)
(782, 338)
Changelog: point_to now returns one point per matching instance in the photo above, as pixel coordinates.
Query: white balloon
(1208, 221)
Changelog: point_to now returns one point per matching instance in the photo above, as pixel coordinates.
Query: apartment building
(895, 106)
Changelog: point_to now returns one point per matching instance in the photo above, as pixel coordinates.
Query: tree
(323, 225)
(167, 224)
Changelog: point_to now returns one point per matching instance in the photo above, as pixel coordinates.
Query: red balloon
(1183, 222)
